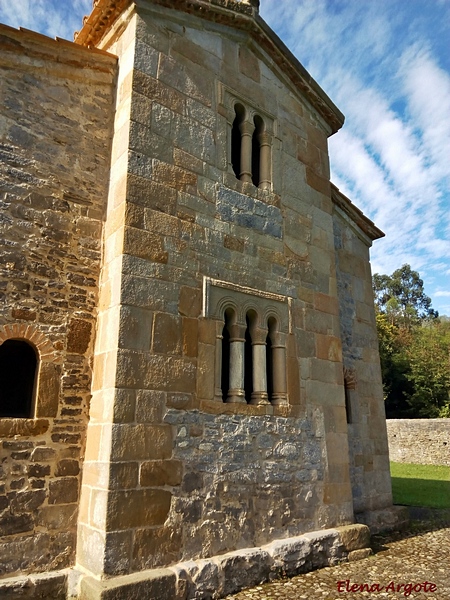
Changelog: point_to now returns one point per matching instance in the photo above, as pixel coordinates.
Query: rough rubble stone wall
(56, 104)
(419, 441)
(236, 468)
(169, 471)
(369, 460)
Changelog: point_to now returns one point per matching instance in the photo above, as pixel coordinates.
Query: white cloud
(427, 88)
(393, 156)
(379, 62)
(50, 17)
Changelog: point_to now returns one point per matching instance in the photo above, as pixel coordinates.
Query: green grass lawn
(421, 485)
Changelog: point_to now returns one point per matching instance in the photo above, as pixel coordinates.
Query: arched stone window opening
(236, 139)
(256, 150)
(18, 368)
(252, 139)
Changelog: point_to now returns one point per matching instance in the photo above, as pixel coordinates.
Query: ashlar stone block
(140, 442)
(137, 508)
(158, 583)
(144, 244)
(244, 568)
(290, 555)
(156, 546)
(160, 473)
(135, 328)
(354, 537)
(325, 546)
(190, 302)
(48, 390)
(167, 334)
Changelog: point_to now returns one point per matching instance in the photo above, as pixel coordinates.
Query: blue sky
(386, 65)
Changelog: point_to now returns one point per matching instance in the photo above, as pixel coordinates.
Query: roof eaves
(234, 14)
(103, 15)
(355, 214)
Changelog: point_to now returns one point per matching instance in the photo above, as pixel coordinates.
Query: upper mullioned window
(250, 148)
(250, 140)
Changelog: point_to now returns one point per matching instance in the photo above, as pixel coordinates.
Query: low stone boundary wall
(419, 441)
(219, 576)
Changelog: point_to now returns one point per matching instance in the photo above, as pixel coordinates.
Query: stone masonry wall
(419, 441)
(56, 102)
(170, 472)
(369, 460)
(235, 468)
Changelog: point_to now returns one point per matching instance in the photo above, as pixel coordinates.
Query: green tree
(429, 373)
(414, 347)
(402, 297)
(395, 368)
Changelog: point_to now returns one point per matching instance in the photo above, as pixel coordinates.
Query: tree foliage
(429, 370)
(401, 296)
(414, 347)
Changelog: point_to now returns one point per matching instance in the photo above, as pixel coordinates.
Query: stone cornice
(357, 216)
(103, 15)
(241, 15)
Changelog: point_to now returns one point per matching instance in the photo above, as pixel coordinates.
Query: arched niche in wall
(30, 373)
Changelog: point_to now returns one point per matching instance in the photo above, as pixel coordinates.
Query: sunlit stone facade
(207, 397)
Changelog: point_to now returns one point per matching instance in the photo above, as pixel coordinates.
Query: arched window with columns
(250, 355)
(251, 136)
(250, 360)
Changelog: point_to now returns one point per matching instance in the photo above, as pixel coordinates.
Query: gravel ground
(417, 560)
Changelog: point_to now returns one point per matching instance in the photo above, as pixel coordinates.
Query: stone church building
(190, 389)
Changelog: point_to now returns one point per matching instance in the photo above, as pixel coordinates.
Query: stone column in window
(236, 393)
(265, 143)
(259, 394)
(218, 364)
(279, 396)
(246, 128)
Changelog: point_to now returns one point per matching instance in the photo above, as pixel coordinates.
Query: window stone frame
(269, 143)
(218, 296)
(45, 400)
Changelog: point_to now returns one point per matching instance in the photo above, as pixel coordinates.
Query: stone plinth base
(385, 519)
(219, 576)
(32, 587)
